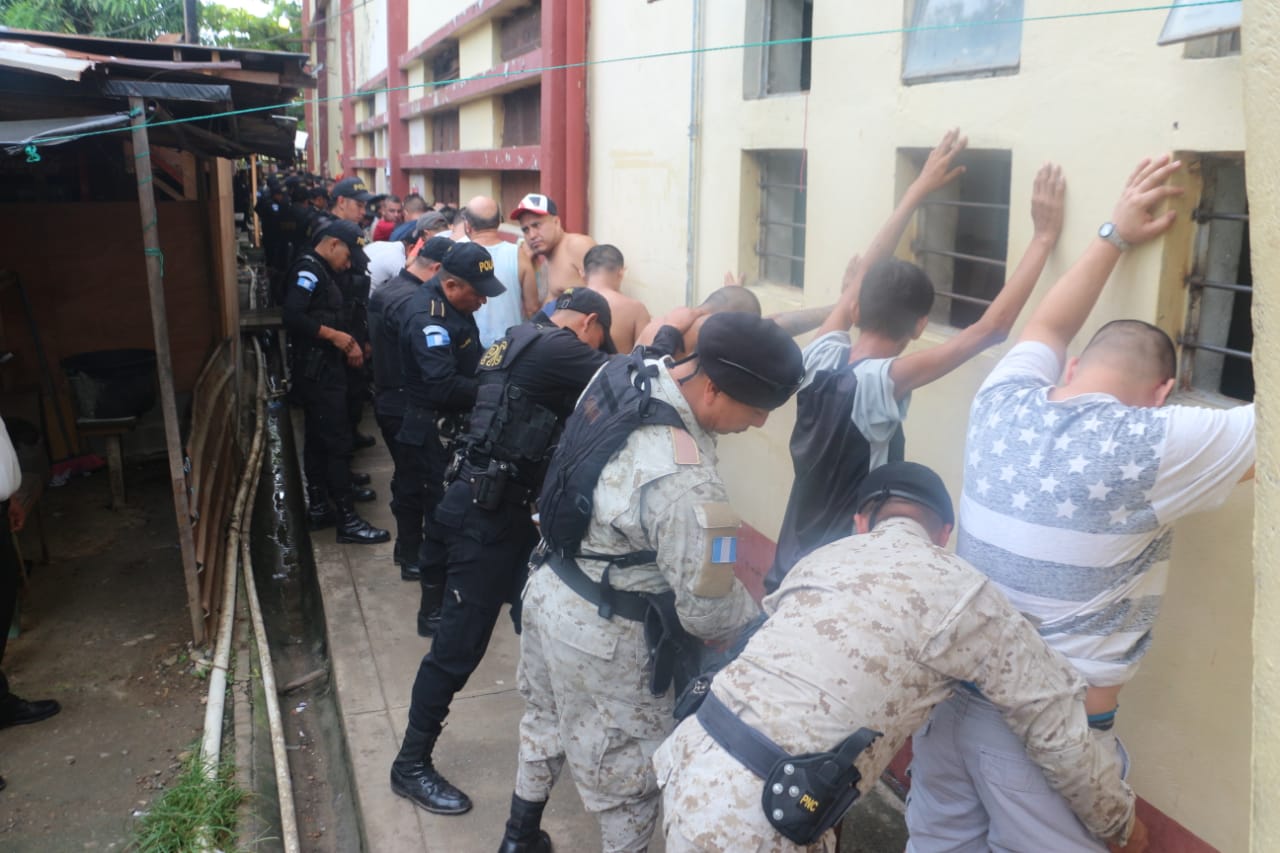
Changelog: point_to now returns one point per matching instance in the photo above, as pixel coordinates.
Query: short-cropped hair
(894, 296)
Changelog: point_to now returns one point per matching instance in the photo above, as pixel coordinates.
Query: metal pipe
(279, 753)
(695, 100)
(211, 748)
(963, 297)
(961, 256)
(1201, 281)
(981, 205)
(1234, 353)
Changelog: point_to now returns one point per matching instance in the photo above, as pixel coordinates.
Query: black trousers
(487, 553)
(326, 450)
(408, 489)
(10, 579)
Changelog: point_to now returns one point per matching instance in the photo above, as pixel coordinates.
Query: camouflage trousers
(711, 803)
(587, 702)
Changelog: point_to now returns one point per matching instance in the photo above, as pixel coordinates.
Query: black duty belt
(609, 602)
(754, 750)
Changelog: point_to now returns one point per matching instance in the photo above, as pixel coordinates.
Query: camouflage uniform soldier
(873, 631)
(584, 677)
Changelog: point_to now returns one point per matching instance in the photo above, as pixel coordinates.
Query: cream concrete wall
(472, 184)
(479, 123)
(478, 49)
(1094, 94)
(1262, 81)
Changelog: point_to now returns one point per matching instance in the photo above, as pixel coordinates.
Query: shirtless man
(603, 268)
(554, 253)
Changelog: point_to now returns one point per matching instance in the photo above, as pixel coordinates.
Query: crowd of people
(555, 452)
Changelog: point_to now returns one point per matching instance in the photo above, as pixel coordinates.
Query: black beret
(750, 358)
(910, 481)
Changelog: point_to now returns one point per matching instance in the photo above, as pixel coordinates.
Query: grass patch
(192, 805)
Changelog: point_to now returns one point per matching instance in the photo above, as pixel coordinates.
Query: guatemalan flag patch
(724, 549)
(307, 281)
(437, 336)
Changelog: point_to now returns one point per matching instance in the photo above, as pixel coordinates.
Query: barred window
(961, 234)
(1217, 341)
(780, 245)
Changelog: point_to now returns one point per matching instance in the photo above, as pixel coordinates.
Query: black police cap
(347, 232)
(750, 358)
(436, 248)
(910, 481)
(472, 263)
(584, 300)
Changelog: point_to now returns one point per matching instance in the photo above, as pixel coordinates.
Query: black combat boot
(319, 511)
(360, 479)
(414, 778)
(407, 558)
(429, 609)
(363, 495)
(352, 529)
(524, 828)
(360, 441)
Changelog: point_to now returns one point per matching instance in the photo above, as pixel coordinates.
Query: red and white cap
(535, 203)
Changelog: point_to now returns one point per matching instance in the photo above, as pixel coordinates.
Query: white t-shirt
(1068, 505)
(386, 259)
(874, 411)
(10, 470)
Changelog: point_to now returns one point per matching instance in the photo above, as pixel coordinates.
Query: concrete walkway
(374, 648)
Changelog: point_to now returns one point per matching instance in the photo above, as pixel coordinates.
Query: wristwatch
(1108, 232)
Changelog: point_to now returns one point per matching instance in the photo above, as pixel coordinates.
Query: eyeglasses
(789, 387)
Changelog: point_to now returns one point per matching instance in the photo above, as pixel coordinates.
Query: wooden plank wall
(82, 266)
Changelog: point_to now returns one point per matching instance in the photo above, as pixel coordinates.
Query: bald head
(1134, 349)
(732, 298)
(482, 214)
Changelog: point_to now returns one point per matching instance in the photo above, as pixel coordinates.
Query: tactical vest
(831, 457)
(617, 402)
(506, 424)
(326, 301)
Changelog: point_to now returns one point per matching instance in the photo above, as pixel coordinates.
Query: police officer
(440, 351)
(527, 384)
(386, 310)
(659, 500)
(870, 633)
(348, 201)
(315, 317)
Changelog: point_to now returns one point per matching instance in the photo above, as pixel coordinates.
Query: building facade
(452, 99)
(707, 137)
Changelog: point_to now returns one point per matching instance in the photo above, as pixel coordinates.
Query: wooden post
(253, 200)
(164, 361)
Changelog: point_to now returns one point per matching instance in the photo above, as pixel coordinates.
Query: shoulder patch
(307, 281)
(685, 446)
(719, 525)
(493, 355)
(437, 336)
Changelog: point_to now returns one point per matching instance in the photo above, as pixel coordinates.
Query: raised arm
(1066, 306)
(920, 368)
(939, 170)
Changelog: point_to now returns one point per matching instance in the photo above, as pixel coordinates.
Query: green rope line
(664, 54)
(155, 253)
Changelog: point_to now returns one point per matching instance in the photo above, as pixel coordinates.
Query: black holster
(674, 653)
(806, 795)
(317, 365)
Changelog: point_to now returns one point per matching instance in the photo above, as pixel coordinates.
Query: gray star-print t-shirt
(1067, 505)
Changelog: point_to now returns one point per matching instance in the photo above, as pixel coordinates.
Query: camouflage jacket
(874, 630)
(661, 492)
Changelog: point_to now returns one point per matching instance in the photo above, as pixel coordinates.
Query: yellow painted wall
(478, 124)
(472, 184)
(477, 49)
(1094, 94)
(1262, 82)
